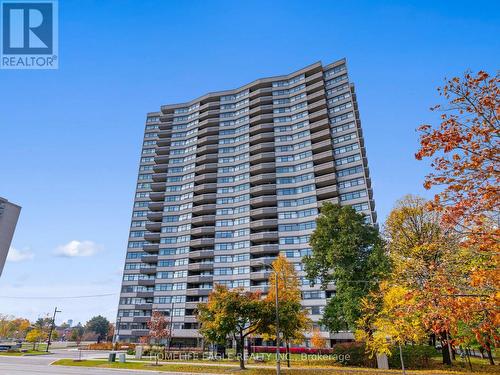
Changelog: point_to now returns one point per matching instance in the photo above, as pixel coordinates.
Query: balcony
(157, 196)
(146, 282)
(327, 192)
(264, 212)
(205, 159)
(264, 224)
(145, 294)
(260, 275)
(155, 206)
(158, 186)
(165, 150)
(261, 128)
(205, 188)
(160, 168)
(263, 100)
(267, 261)
(265, 157)
(202, 266)
(325, 145)
(264, 249)
(162, 159)
(206, 168)
(212, 130)
(264, 237)
(147, 270)
(208, 140)
(141, 319)
(207, 150)
(265, 178)
(153, 226)
(322, 135)
(262, 148)
(325, 180)
(203, 231)
(206, 178)
(149, 258)
(197, 292)
(262, 137)
(140, 332)
(266, 189)
(318, 115)
(201, 254)
(205, 198)
(200, 279)
(323, 157)
(202, 242)
(159, 177)
(261, 118)
(263, 201)
(205, 220)
(151, 248)
(322, 169)
(262, 168)
(155, 216)
(152, 237)
(320, 125)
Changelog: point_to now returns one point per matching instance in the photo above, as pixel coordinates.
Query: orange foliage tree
(465, 152)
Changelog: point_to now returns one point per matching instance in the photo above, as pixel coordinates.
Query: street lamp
(278, 355)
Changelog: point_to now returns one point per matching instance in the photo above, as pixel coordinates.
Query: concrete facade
(9, 213)
(231, 179)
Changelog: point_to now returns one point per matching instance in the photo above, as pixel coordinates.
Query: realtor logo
(29, 35)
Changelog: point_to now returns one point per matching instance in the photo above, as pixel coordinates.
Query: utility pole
(52, 327)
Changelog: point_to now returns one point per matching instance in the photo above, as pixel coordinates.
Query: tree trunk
(287, 353)
(444, 349)
(490, 356)
(240, 348)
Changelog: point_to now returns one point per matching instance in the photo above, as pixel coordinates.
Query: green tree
(99, 325)
(350, 253)
(77, 334)
(233, 312)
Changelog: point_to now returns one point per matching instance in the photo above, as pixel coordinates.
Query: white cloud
(78, 249)
(16, 255)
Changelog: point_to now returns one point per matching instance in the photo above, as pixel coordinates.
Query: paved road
(40, 365)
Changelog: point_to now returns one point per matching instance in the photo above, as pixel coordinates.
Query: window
(353, 195)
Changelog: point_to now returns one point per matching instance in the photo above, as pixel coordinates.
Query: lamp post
(278, 354)
(52, 328)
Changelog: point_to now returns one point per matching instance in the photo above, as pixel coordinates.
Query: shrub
(414, 356)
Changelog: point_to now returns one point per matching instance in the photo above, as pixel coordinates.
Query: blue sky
(70, 138)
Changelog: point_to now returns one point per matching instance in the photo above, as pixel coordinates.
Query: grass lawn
(199, 368)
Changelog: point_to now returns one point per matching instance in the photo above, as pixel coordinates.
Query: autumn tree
(159, 328)
(233, 312)
(431, 263)
(293, 318)
(317, 341)
(395, 322)
(11, 327)
(35, 336)
(350, 253)
(465, 153)
(99, 325)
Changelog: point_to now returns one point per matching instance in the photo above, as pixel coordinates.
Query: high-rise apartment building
(9, 213)
(231, 179)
